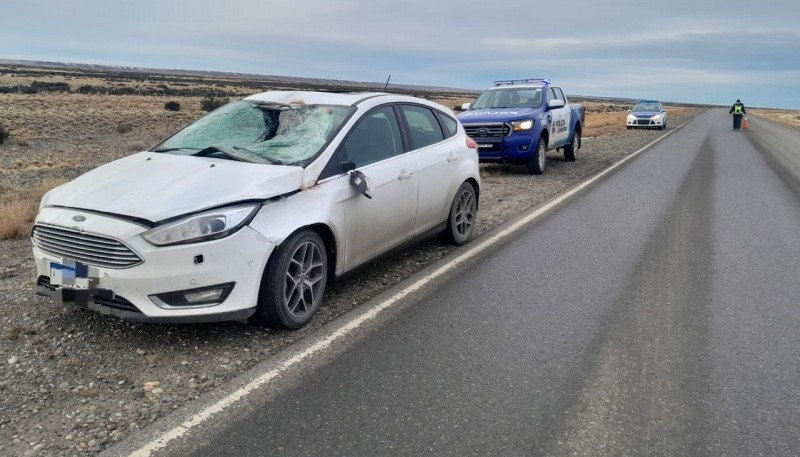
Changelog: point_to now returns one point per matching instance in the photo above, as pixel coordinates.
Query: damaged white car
(249, 211)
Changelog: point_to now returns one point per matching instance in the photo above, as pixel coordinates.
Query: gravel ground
(73, 382)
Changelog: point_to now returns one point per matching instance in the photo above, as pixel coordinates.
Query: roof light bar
(511, 82)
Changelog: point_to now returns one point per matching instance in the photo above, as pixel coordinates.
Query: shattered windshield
(510, 98)
(260, 132)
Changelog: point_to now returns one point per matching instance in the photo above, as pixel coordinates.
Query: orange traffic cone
(745, 123)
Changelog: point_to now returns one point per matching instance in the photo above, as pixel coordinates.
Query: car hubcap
(304, 279)
(465, 213)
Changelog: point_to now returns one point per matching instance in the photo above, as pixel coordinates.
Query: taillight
(472, 144)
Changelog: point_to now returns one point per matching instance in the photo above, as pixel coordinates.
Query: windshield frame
(278, 106)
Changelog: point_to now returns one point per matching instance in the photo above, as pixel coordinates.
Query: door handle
(452, 157)
(404, 174)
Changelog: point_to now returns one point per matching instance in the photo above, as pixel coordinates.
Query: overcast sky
(682, 51)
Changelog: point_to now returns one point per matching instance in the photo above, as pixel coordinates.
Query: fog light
(523, 148)
(203, 296)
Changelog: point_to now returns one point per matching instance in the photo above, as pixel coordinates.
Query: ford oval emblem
(78, 218)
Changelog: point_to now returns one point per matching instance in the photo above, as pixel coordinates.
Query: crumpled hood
(157, 186)
(496, 115)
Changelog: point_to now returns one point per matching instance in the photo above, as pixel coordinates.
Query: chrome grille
(84, 247)
(487, 131)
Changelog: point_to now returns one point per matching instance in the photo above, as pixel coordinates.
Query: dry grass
(785, 117)
(18, 208)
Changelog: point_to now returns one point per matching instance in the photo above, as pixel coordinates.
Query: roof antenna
(387, 83)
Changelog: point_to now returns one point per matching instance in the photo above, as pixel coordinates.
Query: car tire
(461, 219)
(537, 162)
(294, 281)
(571, 150)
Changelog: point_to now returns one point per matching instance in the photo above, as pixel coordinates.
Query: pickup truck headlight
(209, 225)
(518, 126)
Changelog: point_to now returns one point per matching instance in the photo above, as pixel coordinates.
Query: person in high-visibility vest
(738, 111)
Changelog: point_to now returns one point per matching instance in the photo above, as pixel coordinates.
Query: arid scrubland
(62, 123)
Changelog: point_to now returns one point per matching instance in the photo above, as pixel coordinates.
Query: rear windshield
(260, 132)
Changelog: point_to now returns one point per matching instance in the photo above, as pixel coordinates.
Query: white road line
(180, 430)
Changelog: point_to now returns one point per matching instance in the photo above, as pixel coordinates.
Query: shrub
(172, 106)
(3, 134)
(124, 128)
(210, 103)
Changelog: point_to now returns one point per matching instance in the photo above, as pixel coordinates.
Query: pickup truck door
(560, 123)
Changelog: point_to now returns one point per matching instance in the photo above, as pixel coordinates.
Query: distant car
(250, 210)
(647, 114)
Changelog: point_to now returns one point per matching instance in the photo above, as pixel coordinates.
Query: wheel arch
(326, 233)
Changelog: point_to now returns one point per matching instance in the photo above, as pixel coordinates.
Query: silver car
(250, 210)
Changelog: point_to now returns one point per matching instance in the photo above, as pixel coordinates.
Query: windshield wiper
(269, 159)
(219, 149)
(171, 149)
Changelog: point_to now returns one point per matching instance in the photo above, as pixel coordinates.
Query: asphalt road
(656, 313)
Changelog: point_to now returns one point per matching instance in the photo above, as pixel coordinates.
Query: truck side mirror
(362, 183)
(466, 106)
(556, 103)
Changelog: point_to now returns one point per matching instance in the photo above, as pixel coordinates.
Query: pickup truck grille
(84, 247)
(487, 131)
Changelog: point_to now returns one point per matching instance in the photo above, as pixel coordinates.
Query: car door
(559, 133)
(436, 159)
(374, 225)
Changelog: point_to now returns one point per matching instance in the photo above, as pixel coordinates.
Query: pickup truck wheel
(294, 281)
(571, 150)
(461, 219)
(537, 162)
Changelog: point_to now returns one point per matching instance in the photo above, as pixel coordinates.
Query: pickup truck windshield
(260, 132)
(530, 97)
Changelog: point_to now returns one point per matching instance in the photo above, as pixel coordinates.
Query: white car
(250, 210)
(647, 114)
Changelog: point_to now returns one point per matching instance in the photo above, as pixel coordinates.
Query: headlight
(657, 117)
(631, 118)
(517, 126)
(210, 225)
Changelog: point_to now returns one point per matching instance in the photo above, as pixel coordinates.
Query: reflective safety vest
(737, 109)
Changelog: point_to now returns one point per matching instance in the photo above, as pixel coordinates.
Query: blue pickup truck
(519, 120)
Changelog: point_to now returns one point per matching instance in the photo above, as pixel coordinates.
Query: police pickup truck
(519, 120)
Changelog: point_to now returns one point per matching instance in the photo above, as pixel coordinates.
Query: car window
(450, 124)
(375, 137)
(261, 132)
(423, 127)
(557, 94)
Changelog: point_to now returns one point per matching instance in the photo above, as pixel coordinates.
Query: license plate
(485, 145)
(73, 275)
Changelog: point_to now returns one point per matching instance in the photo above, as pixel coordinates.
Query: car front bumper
(132, 293)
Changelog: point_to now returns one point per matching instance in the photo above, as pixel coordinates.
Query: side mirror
(630, 111)
(466, 106)
(362, 183)
(556, 103)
